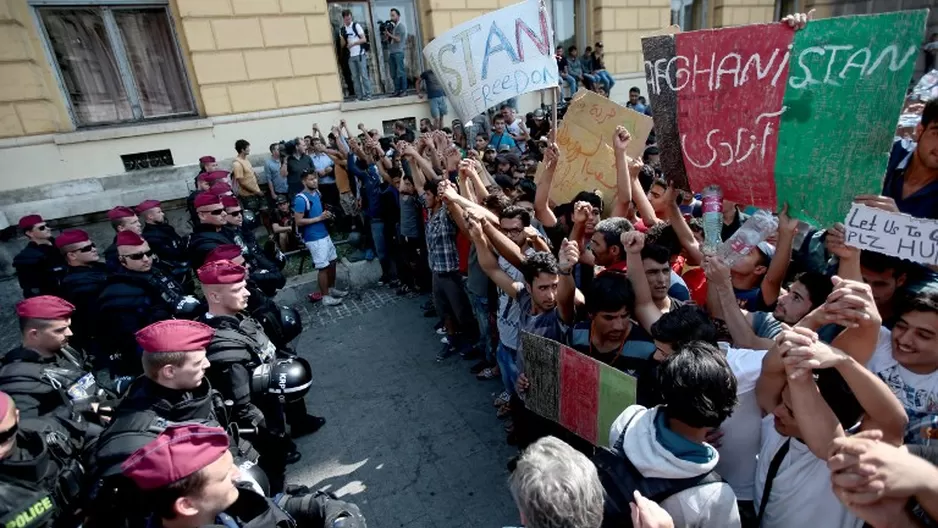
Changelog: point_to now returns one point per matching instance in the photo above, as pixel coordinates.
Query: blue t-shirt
(502, 139)
(311, 206)
(921, 204)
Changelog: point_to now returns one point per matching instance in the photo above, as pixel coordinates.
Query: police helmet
(288, 377)
(250, 221)
(251, 473)
(291, 323)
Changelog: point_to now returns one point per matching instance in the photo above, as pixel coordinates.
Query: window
(784, 8)
(371, 17)
(689, 14)
(117, 63)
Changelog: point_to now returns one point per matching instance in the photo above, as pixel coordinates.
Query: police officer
(282, 324)
(208, 231)
(189, 479)
(81, 286)
(45, 376)
(165, 242)
(122, 219)
(137, 295)
(39, 267)
(266, 273)
(203, 182)
(40, 472)
(173, 389)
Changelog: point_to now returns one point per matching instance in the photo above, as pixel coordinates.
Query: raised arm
(410, 153)
(487, 260)
(645, 310)
(772, 282)
(848, 257)
(818, 424)
(542, 210)
(694, 255)
(740, 327)
(566, 290)
(645, 210)
(620, 143)
(852, 306)
(503, 245)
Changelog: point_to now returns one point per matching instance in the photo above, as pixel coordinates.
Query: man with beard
(39, 266)
(136, 296)
(164, 241)
(173, 389)
(82, 286)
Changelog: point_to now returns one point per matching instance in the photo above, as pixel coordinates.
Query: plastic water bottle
(753, 232)
(712, 198)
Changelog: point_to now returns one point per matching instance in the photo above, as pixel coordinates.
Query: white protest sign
(895, 234)
(495, 57)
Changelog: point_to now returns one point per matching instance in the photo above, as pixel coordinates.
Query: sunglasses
(5, 436)
(235, 213)
(139, 256)
(86, 249)
(217, 212)
(42, 227)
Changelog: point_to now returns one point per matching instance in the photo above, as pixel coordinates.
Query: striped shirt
(441, 242)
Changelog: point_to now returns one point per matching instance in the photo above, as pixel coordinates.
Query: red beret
(174, 335)
(207, 159)
(146, 205)
(229, 201)
(28, 221)
(220, 188)
(44, 307)
(224, 252)
(71, 236)
(206, 199)
(120, 212)
(129, 238)
(179, 451)
(213, 176)
(221, 272)
(6, 403)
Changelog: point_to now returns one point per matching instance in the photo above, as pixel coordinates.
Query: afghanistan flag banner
(774, 115)
(572, 389)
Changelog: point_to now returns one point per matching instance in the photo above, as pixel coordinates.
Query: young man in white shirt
(792, 483)
(354, 38)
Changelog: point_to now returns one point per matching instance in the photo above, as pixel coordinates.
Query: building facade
(108, 102)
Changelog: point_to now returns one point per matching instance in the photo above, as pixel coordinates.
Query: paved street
(414, 443)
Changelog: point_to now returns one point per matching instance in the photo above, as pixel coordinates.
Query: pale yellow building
(109, 102)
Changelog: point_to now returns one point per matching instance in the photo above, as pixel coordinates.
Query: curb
(349, 275)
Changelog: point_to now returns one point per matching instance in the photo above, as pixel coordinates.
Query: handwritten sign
(774, 115)
(894, 234)
(495, 57)
(572, 389)
(587, 159)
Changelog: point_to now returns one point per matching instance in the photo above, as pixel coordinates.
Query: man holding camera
(395, 34)
(354, 38)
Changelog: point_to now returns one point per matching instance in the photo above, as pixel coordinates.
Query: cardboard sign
(495, 57)
(585, 138)
(894, 234)
(572, 389)
(774, 115)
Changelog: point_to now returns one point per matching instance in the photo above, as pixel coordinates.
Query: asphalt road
(413, 442)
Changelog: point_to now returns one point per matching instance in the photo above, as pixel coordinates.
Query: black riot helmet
(291, 323)
(289, 378)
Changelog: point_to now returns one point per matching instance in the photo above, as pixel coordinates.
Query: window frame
(116, 42)
(798, 4)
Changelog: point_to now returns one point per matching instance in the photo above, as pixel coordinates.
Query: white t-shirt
(742, 435)
(514, 128)
(917, 392)
(349, 32)
(801, 494)
(508, 317)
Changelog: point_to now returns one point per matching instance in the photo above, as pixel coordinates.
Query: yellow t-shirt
(245, 177)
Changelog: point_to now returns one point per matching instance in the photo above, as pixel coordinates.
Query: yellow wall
(249, 55)
(620, 25)
(30, 100)
(739, 12)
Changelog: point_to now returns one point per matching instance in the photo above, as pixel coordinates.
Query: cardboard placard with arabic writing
(587, 160)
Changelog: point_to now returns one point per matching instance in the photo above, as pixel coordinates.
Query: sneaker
(444, 340)
(382, 281)
(315, 297)
(369, 255)
(502, 399)
(479, 367)
(335, 292)
(446, 352)
(440, 330)
(329, 300)
(404, 290)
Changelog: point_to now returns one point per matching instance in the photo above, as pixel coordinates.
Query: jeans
(604, 77)
(380, 243)
(480, 308)
(589, 81)
(360, 79)
(398, 73)
(508, 365)
(571, 82)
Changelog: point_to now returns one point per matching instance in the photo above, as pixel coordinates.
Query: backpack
(620, 478)
(366, 46)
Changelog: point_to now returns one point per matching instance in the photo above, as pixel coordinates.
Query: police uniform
(205, 237)
(40, 479)
(169, 246)
(182, 451)
(265, 274)
(60, 385)
(111, 257)
(39, 267)
(147, 409)
(132, 300)
(81, 286)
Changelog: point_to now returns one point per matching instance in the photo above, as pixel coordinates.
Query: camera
(385, 27)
